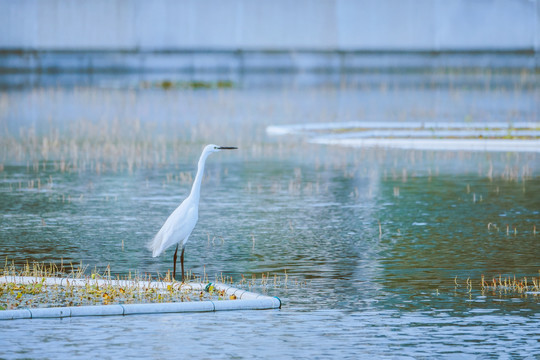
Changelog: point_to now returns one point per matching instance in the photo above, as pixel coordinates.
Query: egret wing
(176, 228)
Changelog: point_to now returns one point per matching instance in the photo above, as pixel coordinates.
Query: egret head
(215, 148)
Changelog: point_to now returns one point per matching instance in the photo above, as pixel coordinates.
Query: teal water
(90, 174)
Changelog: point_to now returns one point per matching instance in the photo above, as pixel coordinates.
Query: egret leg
(174, 269)
(182, 262)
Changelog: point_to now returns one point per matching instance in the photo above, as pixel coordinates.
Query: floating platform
(243, 300)
(428, 135)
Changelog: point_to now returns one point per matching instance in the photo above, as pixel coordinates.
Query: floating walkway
(244, 300)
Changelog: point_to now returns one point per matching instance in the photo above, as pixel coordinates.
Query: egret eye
(215, 147)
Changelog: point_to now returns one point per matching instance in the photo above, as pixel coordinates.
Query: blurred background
(237, 38)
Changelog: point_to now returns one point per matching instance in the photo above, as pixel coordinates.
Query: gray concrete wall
(282, 25)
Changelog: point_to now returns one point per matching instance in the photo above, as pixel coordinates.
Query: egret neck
(196, 188)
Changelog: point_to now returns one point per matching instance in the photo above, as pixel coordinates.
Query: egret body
(178, 227)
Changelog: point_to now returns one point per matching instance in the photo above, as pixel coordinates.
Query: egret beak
(227, 148)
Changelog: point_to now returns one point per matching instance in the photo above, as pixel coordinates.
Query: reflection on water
(376, 237)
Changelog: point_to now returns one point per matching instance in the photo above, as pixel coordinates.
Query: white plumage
(179, 225)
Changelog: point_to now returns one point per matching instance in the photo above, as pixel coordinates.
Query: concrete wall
(283, 25)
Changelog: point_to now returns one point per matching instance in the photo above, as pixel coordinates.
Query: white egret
(181, 222)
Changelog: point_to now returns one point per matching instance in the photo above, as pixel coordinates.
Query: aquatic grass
(56, 285)
(39, 294)
(66, 289)
(116, 152)
(124, 135)
(500, 285)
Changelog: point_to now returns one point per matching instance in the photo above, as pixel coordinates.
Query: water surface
(372, 241)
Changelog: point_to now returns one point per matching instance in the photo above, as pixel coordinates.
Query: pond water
(377, 245)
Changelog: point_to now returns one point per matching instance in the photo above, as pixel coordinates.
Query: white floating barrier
(245, 300)
(15, 314)
(159, 308)
(436, 144)
(449, 136)
(96, 310)
(393, 125)
(238, 293)
(254, 304)
(53, 312)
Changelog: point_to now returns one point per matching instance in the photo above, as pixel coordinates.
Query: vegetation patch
(502, 285)
(58, 286)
